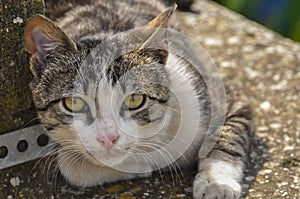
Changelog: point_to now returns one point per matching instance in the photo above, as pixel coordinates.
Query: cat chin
(108, 160)
(84, 173)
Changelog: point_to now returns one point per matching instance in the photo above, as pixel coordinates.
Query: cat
(110, 113)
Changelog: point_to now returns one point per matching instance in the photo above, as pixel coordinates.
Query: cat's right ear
(42, 37)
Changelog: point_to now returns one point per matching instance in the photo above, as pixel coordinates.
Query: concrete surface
(16, 106)
(262, 64)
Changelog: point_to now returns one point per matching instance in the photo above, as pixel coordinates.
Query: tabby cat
(121, 112)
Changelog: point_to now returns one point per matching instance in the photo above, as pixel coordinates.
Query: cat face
(100, 109)
(113, 110)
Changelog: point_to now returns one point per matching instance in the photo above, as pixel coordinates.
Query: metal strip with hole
(23, 145)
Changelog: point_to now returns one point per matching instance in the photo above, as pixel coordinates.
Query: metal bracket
(23, 145)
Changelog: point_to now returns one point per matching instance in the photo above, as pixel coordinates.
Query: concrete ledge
(266, 67)
(16, 106)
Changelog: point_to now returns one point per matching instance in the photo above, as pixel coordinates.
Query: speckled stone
(259, 62)
(16, 106)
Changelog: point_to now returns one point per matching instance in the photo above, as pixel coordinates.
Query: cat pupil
(132, 98)
(75, 101)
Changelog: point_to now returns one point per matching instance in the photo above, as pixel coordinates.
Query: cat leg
(221, 170)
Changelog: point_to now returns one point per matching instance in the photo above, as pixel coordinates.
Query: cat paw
(216, 190)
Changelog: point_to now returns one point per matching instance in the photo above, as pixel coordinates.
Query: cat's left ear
(158, 35)
(163, 19)
(42, 37)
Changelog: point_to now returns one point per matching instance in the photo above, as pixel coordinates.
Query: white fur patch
(191, 132)
(218, 179)
(85, 174)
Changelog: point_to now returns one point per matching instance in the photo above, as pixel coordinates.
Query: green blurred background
(282, 16)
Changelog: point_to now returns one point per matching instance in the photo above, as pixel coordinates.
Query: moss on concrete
(16, 107)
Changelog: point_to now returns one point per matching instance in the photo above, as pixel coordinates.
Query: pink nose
(108, 140)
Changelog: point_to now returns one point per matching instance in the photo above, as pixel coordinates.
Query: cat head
(102, 104)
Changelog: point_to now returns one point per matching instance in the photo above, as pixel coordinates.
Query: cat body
(112, 119)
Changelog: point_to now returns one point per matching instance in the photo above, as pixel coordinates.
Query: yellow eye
(135, 101)
(74, 104)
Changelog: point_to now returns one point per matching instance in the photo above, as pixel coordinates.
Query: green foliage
(282, 16)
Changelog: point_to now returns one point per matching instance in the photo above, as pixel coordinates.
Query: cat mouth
(109, 158)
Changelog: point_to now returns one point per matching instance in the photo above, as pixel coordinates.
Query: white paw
(215, 190)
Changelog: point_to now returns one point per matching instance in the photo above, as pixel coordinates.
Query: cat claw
(215, 190)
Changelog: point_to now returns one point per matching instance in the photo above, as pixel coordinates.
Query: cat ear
(162, 20)
(42, 36)
(158, 35)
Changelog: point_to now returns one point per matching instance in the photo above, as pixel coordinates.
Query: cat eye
(134, 101)
(74, 104)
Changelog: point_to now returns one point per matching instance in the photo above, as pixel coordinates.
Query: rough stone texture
(16, 105)
(262, 64)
